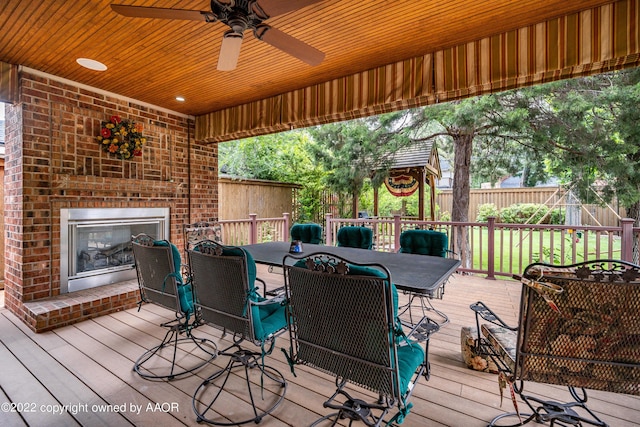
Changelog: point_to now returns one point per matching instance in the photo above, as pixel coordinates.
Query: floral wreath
(122, 138)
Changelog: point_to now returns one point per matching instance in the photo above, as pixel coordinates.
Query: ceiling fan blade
(162, 13)
(229, 51)
(278, 7)
(289, 44)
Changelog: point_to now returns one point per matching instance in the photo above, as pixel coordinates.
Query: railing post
(287, 226)
(491, 268)
(626, 239)
(397, 229)
(253, 229)
(328, 229)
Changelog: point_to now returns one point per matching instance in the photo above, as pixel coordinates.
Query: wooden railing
(494, 249)
(255, 230)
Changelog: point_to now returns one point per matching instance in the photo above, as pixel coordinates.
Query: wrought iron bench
(579, 326)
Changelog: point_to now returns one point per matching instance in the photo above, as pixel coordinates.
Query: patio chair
(578, 327)
(307, 233)
(355, 237)
(343, 321)
(224, 279)
(426, 242)
(180, 353)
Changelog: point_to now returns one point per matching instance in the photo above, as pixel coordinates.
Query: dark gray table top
(420, 274)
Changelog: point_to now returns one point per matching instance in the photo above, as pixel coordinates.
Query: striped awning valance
(592, 41)
(8, 82)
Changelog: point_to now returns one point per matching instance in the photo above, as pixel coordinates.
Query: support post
(287, 226)
(626, 238)
(253, 229)
(491, 268)
(328, 229)
(397, 229)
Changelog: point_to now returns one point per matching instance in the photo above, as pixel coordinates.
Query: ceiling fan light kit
(239, 16)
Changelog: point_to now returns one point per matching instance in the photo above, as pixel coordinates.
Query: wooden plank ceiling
(155, 60)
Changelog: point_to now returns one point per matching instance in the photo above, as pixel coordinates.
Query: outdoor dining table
(418, 274)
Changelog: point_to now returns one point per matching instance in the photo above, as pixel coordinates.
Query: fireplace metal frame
(72, 217)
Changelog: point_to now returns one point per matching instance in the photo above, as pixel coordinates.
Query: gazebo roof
(422, 154)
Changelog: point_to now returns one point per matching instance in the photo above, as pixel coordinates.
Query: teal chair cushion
(355, 237)
(307, 233)
(424, 242)
(185, 290)
(267, 318)
(410, 356)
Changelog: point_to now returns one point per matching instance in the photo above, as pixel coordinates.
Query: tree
(350, 151)
(277, 157)
(481, 121)
(589, 129)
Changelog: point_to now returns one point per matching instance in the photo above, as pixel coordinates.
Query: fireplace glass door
(96, 244)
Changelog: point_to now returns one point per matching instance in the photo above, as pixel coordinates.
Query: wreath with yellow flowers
(122, 138)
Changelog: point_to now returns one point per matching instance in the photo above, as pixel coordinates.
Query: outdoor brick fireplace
(55, 168)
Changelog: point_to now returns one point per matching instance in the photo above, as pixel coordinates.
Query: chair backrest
(199, 231)
(343, 321)
(307, 233)
(355, 237)
(580, 326)
(224, 282)
(424, 242)
(158, 265)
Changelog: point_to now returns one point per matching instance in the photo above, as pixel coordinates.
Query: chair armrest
(280, 299)
(484, 312)
(451, 254)
(422, 330)
(264, 286)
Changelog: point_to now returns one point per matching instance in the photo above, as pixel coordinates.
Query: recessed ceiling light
(91, 64)
(180, 98)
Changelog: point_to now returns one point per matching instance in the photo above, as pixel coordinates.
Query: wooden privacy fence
(592, 213)
(238, 198)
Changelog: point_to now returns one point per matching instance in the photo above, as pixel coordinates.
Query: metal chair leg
(162, 361)
(266, 380)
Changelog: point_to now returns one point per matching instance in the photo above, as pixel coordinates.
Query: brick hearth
(64, 309)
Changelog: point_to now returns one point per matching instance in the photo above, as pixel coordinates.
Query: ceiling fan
(239, 16)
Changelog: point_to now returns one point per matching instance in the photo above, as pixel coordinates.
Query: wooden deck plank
(40, 374)
(101, 353)
(9, 417)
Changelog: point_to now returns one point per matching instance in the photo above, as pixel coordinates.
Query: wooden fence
(238, 198)
(592, 214)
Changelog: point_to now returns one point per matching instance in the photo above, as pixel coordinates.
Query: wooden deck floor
(88, 366)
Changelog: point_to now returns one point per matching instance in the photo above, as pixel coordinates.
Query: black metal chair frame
(325, 305)
(158, 284)
(425, 304)
(552, 293)
(222, 284)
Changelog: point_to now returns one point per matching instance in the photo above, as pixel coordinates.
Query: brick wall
(53, 161)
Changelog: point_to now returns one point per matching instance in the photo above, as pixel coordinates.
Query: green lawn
(515, 249)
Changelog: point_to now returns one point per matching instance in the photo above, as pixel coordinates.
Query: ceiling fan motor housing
(239, 15)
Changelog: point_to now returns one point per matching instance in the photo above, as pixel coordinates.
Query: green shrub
(530, 213)
(487, 210)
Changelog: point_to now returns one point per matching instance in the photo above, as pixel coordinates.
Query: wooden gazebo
(412, 167)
